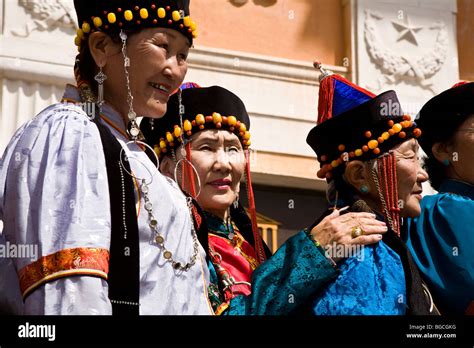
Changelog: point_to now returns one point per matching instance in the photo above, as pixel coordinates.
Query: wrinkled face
(410, 176)
(220, 162)
(157, 68)
(462, 150)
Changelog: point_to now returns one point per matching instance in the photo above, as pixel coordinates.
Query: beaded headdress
(129, 15)
(192, 110)
(355, 124)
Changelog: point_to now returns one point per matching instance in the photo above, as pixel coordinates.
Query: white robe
(54, 193)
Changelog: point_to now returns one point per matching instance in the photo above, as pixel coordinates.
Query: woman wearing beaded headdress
(203, 143)
(77, 181)
(367, 149)
(441, 238)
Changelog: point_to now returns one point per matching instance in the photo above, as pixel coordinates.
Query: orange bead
(397, 127)
(216, 117)
(417, 132)
(390, 123)
(324, 158)
(200, 120)
(391, 132)
(187, 125)
(380, 140)
(368, 134)
(334, 163)
(402, 135)
(372, 144)
(407, 117)
(358, 152)
(351, 154)
(341, 147)
(365, 148)
(385, 135)
(376, 151)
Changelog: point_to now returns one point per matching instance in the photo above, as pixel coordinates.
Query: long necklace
(160, 240)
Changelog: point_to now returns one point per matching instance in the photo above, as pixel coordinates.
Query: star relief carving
(407, 31)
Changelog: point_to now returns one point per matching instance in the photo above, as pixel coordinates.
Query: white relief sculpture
(406, 31)
(46, 15)
(397, 67)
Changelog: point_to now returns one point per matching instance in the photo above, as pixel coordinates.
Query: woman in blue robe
(442, 237)
(367, 149)
(209, 127)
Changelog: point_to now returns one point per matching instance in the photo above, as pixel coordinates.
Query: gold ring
(357, 232)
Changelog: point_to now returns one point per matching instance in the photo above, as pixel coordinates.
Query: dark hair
(436, 169)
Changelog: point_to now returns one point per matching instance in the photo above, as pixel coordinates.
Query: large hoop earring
(195, 172)
(127, 158)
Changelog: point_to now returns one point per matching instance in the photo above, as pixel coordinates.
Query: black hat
(372, 127)
(443, 114)
(204, 108)
(111, 16)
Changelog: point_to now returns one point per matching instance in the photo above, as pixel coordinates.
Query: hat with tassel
(353, 123)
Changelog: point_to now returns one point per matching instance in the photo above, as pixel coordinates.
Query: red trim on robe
(64, 263)
(238, 258)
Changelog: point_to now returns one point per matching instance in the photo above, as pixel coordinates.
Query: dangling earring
(364, 189)
(236, 201)
(446, 162)
(132, 116)
(152, 124)
(100, 78)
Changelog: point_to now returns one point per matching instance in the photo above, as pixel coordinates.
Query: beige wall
(294, 29)
(465, 27)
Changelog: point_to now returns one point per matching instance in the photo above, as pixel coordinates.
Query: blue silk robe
(441, 241)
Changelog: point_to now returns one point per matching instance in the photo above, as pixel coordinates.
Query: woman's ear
(101, 47)
(356, 175)
(442, 153)
(167, 166)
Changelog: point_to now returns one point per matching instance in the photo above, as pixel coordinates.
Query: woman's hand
(336, 229)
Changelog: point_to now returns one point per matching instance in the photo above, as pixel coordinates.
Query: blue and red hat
(354, 123)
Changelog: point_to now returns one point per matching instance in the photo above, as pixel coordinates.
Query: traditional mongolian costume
(114, 235)
(248, 280)
(354, 124)
(441, 239)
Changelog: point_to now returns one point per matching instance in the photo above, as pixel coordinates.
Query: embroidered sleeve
(287, 280)
(55, 198)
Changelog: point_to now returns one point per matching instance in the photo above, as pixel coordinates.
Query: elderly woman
(368, 153)
(114, 236)
(441, 238)
(203, 142)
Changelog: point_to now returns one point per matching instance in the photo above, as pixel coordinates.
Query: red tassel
(259, 250)
(189, 171)
(326, 95)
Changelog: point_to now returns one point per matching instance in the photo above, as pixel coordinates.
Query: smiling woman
(203, 143)
(81, 186)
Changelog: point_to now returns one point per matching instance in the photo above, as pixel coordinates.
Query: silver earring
(100, 78)
(152, 124)
(236, 202)
(132, 116)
